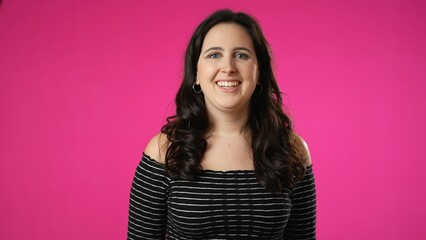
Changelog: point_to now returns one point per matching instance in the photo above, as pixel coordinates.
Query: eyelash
(213, 54)
(243, 55)
(216, 55)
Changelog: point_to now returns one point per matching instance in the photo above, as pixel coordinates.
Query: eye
(213, 55)
(241, 55)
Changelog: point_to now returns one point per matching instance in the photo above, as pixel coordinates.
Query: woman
(228, 164)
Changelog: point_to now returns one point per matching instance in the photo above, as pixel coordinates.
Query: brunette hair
(276, 160)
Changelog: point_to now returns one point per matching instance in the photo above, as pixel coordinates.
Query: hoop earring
(196, 88)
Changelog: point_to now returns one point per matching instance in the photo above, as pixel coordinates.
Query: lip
(227, 89)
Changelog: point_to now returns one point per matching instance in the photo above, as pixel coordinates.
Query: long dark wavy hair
(277, 162)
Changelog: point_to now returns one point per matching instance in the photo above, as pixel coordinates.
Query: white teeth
(228, 84)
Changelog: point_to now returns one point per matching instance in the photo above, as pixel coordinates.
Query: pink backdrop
(85, 84)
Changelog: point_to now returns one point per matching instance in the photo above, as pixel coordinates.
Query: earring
(196, 88)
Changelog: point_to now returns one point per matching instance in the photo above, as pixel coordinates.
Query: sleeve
(302, 221)
(148, 201)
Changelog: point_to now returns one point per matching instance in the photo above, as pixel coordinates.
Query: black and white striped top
(218, 205)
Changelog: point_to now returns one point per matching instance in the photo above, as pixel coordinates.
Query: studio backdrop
(85, 84)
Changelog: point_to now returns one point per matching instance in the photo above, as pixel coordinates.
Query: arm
(302, 221)
(148, 197)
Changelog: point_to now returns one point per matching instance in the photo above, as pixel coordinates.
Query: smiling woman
(228, 164)
(227, 69)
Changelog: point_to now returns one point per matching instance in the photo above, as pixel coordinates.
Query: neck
(228, 123)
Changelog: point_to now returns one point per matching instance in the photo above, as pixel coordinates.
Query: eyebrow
(237, 48)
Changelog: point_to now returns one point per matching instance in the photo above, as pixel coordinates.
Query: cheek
(253, 73)
(205, 72)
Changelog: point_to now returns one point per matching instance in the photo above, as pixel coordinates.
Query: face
(227, 69)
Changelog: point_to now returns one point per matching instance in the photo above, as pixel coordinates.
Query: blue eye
(241, 55)
(213, 55)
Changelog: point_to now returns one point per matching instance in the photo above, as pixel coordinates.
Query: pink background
(85, 84)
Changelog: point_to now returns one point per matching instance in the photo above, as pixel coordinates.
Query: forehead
(227, 35)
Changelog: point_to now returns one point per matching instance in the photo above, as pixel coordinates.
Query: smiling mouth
(228, 84)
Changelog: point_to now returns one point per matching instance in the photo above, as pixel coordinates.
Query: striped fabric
(217, 205)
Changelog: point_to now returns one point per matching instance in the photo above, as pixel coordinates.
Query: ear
(196, 79)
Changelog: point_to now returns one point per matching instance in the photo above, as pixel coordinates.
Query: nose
(228, 65)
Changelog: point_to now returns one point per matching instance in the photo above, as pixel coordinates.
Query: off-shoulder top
(218, 205)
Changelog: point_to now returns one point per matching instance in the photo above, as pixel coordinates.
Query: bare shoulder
(302, 148)
(157, 147)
